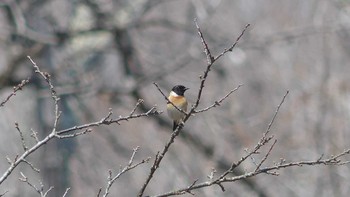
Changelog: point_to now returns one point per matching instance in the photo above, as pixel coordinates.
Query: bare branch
(128, 167)
(3, 194)
(254, 151)
(107, 121)
(333, 160)
(8, 160)
(275, 115)
(25, 148)
(210, 62)
(99, 192)
(34, 135)
(45, 194)
(40, 190)
(266, 155)
(233, 45)
(218, 102)
(15, 89)
(139, 102)
(212, 173)
(66, 192)
(88, 130)
(31, 165)
(25, 179)
(159, 157)
(47, 77)
(263, 140)
(58, 134)
(210, 58)
(53, 134)
(206, 72)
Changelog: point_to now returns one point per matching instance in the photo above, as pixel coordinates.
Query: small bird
(177, 97)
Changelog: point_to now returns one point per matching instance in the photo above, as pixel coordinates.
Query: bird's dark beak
(186, 89)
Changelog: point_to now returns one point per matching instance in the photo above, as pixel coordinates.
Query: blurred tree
(105, 53)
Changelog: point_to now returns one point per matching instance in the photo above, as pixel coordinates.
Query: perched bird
(177, 97)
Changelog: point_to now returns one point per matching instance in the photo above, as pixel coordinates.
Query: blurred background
(105, 54)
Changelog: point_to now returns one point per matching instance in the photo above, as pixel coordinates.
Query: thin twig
(40, 190)
(333, 160)
(31, 165)
(128, 167)
(275, 115)
(210, 62)
(99, 192)
(3, 194)
(254, 151)
(47, 192)
(266, 155)
(34, 135)
(212, 173)
(210, 58)
(139, 102)
(104, 121)
(263, 140)
(23, 178)
(25, 148)
(218, 102)
(233, 45)
(15, 89)
(251, 157)
(56, 134)
(107, 121)
(207, 70)
(66, 192)
(88, 130)
(47, 77)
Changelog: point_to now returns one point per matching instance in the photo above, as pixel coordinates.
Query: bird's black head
(179, 89)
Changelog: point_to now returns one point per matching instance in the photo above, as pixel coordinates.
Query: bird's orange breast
(179, 101)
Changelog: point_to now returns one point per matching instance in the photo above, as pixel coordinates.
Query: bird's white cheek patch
(172, 93)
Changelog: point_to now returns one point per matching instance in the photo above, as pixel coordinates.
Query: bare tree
(99, 55)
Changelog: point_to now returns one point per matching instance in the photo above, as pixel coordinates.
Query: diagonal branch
(210, 58)
(58, 134)
(107, 121)
(128, 167)
(266, 156)
(159, 157)
(47, 77)
(275, 115)
(333, 160)
(15, 89)
(218, 102)
(264, 140)
(233, 45)
(210, 62)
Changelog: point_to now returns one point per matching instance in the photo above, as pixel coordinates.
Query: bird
(178, 98)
